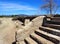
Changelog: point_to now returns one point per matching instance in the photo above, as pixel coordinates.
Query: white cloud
(13, 7)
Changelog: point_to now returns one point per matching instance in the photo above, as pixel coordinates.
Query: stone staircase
(53, 23)
(48, 33)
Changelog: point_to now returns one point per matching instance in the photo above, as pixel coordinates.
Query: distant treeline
(23, 15)
(10, 15)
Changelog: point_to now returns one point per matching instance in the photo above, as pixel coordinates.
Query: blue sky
(29, 7)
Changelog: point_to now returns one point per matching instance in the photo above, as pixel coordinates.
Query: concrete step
(47, 28)
(52, 26)
(48, 36)
(30, 41)
(40, 39)
(50, 30)
(55, 18)
(54, 22)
